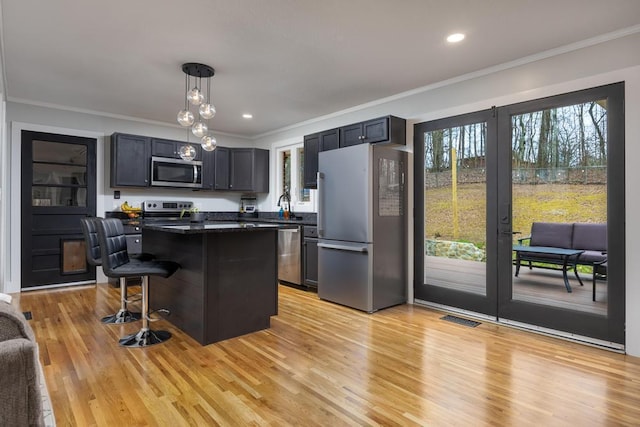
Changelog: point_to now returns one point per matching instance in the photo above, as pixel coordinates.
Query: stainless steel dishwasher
(289, 255)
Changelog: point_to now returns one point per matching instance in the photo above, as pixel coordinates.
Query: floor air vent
(460, 321)
(27, 315)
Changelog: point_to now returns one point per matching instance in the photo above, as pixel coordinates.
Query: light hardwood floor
(326, 365)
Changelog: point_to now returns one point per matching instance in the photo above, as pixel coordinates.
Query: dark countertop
(308, 219)
(217, 227)
(283, 221)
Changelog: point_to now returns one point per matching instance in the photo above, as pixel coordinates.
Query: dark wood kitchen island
(227, 283)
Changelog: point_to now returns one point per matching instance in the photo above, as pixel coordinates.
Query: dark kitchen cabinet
(330, 140)
(242, 169)
(351, 135)
(130, 160)
(221, 172)
(209, 170)
(314, 144)
(389, 129)
(171, 149)
(383, 130)
(310, 257)
(311, 150)
(249, 170)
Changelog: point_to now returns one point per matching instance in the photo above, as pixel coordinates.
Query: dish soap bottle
(281, 213)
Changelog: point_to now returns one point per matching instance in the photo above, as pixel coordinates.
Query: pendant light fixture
(194, 96)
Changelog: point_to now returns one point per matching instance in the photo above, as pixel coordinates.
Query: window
(290, 176)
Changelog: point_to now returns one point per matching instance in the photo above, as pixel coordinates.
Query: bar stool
(116, 263)
(92, 249)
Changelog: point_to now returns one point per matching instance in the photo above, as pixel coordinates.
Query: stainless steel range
(164, 210)
(161, 206)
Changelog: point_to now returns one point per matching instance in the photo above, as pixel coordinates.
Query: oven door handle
(195, 174)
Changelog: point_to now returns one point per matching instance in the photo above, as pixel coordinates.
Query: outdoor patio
(536, 285)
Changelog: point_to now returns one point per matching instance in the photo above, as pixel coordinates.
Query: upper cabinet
(330, 140)
(383, 130)
(373, 131)
(171, 149)
(236, 169)
(130, 162)
(221, 174)
(311, 150)
(242, 169)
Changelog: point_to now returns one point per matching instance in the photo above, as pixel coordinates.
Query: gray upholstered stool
(116, 263)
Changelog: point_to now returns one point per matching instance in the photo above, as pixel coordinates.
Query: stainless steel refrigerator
(362, 225)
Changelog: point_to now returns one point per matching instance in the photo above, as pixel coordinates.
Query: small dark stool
(116, 263)
(94, 258)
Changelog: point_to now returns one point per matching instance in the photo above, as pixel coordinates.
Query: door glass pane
(304, 194)
(58, 152)
(455, 208)
(59, 176)
(559, 193)
(285, 163)
(48, 173)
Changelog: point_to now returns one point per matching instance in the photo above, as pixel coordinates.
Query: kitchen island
(227, 283)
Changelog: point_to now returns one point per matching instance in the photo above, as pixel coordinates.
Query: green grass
(545, 202)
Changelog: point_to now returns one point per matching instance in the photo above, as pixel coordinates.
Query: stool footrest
(133, 298)
(122, 316)
(144, 338)
(159, 310)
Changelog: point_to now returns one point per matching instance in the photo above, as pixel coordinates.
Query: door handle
(505, 213)
(319, 179)
(362, 249)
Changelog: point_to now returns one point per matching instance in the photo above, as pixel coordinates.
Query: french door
(455, 198)
(553, 160)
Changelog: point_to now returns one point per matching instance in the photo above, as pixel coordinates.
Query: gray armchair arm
(20, 396)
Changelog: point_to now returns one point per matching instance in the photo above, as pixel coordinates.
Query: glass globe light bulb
(185, 118)
(195, 97)
(207, 111)
(209, 143)
(199, 129)
(187, 152)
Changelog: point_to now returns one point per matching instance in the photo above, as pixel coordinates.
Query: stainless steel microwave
(166, 172)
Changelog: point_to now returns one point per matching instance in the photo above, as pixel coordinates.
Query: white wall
(4, 211)
(569, 69)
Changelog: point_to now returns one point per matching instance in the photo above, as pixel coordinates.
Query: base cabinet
(310, 256)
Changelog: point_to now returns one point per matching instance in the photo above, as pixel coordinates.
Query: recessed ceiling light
(455, 38)
(247, 116)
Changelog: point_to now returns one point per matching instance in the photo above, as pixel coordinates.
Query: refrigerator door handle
(319, 179)
(362, 249)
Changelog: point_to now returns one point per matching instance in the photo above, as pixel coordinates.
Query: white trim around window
(289, 163)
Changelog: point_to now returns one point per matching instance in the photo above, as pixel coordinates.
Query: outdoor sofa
(588, 238)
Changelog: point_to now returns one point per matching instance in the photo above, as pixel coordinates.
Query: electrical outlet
(116, 194)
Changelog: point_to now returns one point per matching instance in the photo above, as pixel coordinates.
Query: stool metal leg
(145, 336)
(123, 315)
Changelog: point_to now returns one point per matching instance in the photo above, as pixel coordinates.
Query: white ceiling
(285, 61)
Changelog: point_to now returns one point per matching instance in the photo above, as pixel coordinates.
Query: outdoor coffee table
(569, 259)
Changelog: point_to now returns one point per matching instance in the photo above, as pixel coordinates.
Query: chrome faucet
(286, 197)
